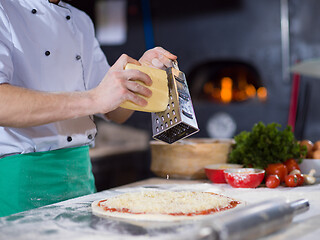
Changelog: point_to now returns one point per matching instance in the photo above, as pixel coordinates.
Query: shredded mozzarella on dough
(166, 202)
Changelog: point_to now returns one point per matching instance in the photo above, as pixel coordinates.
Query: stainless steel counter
(73, 219)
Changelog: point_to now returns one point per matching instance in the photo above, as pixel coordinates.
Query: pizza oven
(225, 82)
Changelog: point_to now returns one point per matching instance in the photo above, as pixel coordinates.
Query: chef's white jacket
(51, 48)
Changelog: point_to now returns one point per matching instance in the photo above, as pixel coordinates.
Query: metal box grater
(178, 121)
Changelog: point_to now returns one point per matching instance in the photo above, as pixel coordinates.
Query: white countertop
(73, 219)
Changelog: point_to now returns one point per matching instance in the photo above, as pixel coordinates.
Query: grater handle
(175, 64)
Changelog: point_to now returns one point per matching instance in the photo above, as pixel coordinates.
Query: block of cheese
(160, 92)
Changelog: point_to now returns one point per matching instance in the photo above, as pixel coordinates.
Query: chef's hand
(157, 57)
(119, 85)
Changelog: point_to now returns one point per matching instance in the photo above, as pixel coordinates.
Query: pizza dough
(163, 205)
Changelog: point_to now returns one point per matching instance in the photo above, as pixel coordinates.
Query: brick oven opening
(226, 82)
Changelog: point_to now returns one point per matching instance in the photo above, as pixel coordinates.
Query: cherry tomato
(277, 169)
(272, 181)
(300, 179)
(291, 180)
(291, 164)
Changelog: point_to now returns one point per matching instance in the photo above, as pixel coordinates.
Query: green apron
(36, 179)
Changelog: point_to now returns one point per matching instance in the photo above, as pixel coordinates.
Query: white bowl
(308, 164)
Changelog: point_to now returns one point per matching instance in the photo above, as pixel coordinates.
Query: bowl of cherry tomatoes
(244, 177)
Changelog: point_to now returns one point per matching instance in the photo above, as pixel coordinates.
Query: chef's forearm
(120, 115)
(20, 107)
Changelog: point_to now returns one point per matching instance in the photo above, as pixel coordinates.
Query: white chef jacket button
(78, 57)
(90, 136)
(68, 17)
(69, 139)
(47, 53)
(34, 11)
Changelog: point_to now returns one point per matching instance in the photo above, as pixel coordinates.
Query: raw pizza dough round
(163, 205)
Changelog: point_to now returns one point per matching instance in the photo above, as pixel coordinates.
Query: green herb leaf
(265, 144)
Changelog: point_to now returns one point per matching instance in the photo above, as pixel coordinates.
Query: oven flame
(262, 93)
(228, 90)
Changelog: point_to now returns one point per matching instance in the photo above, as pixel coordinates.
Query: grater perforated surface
(178, 121)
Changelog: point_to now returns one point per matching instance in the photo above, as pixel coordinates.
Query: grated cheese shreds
(166, 202)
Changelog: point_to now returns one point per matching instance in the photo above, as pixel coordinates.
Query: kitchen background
(235, 54)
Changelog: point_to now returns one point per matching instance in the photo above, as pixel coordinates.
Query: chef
(53, 78)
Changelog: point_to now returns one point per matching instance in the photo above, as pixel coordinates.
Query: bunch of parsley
(265, 144)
